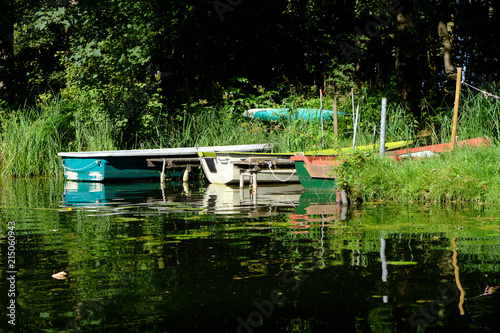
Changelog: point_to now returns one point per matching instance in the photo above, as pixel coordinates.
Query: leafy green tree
(107, 64)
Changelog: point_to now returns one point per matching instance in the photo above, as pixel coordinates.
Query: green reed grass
(479, 116)
(31, 138)
(96, 136)
(30, 141)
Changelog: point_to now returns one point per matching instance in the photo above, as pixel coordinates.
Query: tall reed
(31, 138)
(479, 116)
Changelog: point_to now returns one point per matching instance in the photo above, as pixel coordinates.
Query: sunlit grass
(466, 174)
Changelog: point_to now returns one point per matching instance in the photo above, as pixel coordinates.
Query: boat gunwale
(166, 152)
(321, 152)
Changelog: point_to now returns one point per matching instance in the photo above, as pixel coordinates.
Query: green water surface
(199, 258)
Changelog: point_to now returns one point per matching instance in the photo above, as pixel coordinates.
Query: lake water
(137, 257)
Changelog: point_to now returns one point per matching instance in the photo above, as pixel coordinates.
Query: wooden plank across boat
(139, 163)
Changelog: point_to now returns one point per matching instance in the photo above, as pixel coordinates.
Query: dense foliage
(124, 74)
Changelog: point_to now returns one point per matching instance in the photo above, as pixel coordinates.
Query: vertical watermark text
(11, 272)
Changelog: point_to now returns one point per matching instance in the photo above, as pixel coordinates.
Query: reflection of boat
(97, 193)
(315, 209)
(317, 202)
(133, 164)
(300, 113)
(225, 199)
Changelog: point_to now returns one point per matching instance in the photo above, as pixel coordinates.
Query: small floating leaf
(59, 276)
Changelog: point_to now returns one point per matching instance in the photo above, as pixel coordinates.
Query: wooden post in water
(383, 117)
(338, 197)
(455, 111)
(335, 117)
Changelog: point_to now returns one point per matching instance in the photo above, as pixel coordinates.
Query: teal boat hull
(300, 113)
(310, 183)
(112, 168)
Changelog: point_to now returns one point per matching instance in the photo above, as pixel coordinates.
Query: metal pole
(383, 118)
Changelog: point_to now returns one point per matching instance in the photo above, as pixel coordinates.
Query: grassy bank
(464, 175)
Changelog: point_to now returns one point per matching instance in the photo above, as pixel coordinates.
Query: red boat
(432, 150)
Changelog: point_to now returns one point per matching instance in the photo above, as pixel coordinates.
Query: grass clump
(464, 175)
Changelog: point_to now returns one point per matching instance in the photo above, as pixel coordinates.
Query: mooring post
(343, 195)
(321, 116)
(254, 182)
(335, 118)
(242, 179)
(455, 110)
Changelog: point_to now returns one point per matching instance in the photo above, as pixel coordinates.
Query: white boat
(226, 167)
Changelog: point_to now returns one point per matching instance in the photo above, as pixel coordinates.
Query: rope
(81, 169)
(269, 163)
(485, 93)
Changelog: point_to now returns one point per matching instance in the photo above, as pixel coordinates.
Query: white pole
(352, 93)
(321, 115)
(355, 128)
(383, 118)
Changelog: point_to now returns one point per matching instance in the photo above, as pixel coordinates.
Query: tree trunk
(444, 34)
(445, 27)
(406, 61)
